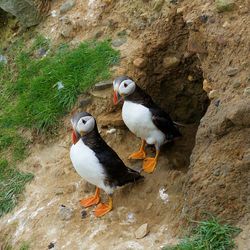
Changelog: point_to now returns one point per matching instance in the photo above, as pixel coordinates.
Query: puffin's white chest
(138, 119)
(87, 165)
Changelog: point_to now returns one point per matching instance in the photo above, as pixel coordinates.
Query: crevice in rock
(173, 77)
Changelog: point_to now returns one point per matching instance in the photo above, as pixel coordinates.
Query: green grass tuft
(7, 246)
(31, 97)
(10, 139)
(38, 101)
(40, 42)
(209, 235)
(11, 186)
(25, 246)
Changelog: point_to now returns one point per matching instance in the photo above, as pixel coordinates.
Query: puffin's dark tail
(130, 177)
(176, 132)
(173, 132)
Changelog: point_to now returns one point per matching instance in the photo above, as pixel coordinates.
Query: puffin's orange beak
(115, 97)
(74, 137)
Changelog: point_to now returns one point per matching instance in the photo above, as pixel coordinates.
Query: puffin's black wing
(117, 172)
(160, 118)
(164, 123)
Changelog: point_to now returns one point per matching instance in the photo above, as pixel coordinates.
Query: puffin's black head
(123, 86)
(82, 123)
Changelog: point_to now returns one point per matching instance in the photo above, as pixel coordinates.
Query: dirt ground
(157, 200)
(204, 171)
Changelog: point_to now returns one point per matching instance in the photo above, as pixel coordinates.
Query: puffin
(144, 119)
(97, 163)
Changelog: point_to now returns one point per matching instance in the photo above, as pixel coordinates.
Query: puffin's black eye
(83, 121)
(125, 85)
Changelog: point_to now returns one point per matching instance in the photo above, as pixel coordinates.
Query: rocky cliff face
(205, 46)
(28, 12)
(218, 177)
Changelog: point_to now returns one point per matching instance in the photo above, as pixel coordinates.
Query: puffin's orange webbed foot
(103, 208)
(149, 164)
(139, 155)
(93, 200)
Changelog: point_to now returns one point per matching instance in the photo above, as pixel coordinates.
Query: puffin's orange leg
(141, 154)
(149, 163)
(93, 200)
(103, 208)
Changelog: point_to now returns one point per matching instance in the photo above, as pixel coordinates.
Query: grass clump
(25, 246)
(208, 235)
(7, 246)
(47, 88)
(38, 85)
(11, 186)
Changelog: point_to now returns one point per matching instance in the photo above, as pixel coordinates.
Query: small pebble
(59, 191)
(149, 205)
(111, 131)
(203, 18)
(236, 84)
(51, 245)
(83, 214)
(213, 94)
(67, 6)
(103, 85)
(41, 52)
(206, 86)
(65, 213)
(231, 71)
(216, 172)
(247, 91)
(226, 24)
(53, 13)
(217, 103)
(163, 195)
(3, 59)
(139, 63)
(180, 10)
(170, 62)
(142, 231)
(119, 41)
(131, 217)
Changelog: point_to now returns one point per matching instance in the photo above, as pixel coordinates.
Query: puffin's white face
(85, 125)
(127, 87)
(116, 85)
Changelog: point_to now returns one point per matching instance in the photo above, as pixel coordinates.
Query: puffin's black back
(160, 118)
(117, 173)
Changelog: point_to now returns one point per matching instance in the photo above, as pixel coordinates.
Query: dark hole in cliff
(180, 90)
(174, 79)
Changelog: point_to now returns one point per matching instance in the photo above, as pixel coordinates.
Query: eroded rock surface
(28, 12)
